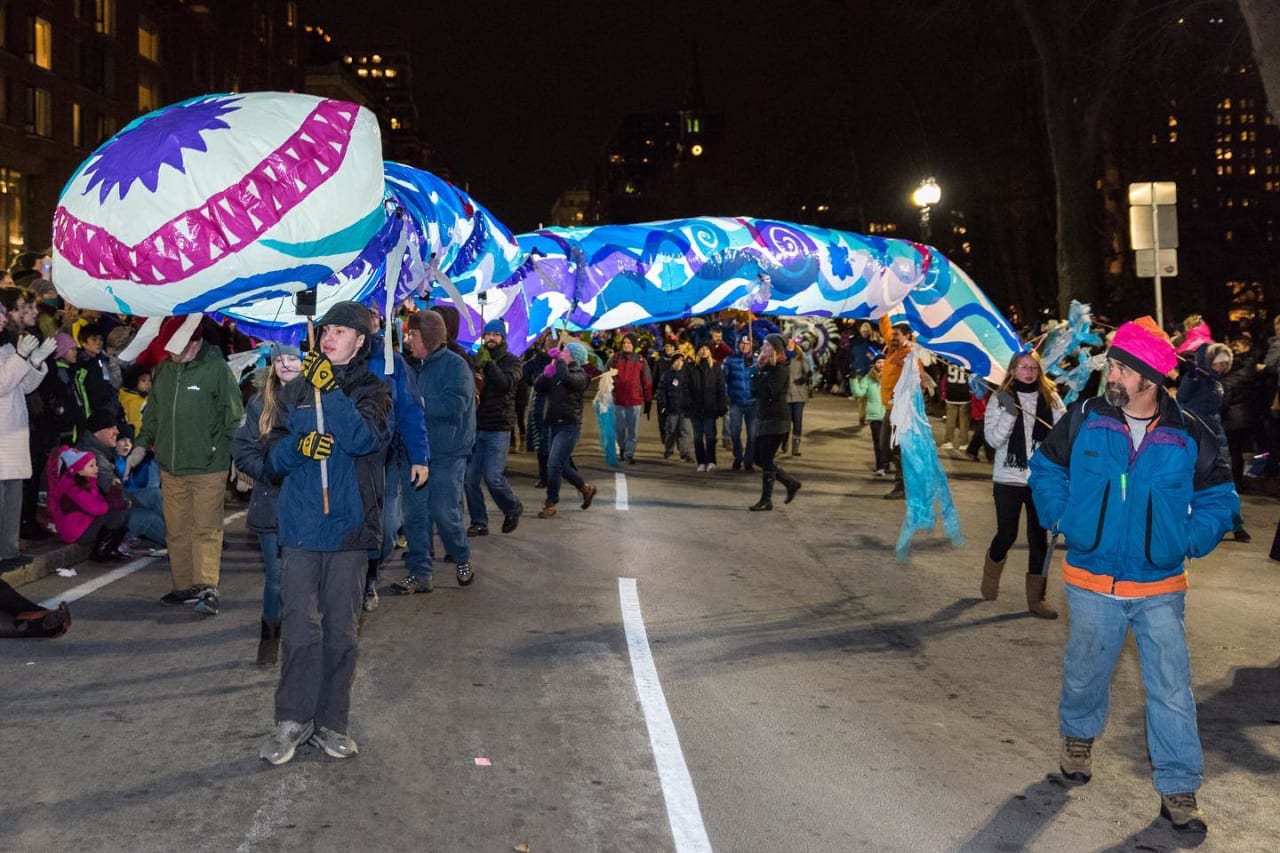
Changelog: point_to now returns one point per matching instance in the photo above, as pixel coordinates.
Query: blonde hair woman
(1023, 410)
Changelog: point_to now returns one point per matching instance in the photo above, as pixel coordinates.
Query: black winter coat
(673, 391)
(563, 393)
(708, 397)
(497, 407)
(770, 386)
(1238, 389)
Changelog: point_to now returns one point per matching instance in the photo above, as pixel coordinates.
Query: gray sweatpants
(321, 592)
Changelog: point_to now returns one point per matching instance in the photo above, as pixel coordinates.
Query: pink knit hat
(75, 460)
(1143, 346)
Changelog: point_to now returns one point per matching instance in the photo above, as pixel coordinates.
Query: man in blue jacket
(444, 381)
(325, 553)
(1135, 485)
(408, 455)
(738, 370)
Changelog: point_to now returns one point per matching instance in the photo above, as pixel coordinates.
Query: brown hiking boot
(588, 495)
(1183, 813)
(547, 511)
(1076, 759)
(991, 571)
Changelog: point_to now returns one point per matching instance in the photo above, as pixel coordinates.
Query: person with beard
(1027, 407)
(769, 386)
(1135, 485)
(445, 383)
(325, 555)
(562, 383)
(497, 372)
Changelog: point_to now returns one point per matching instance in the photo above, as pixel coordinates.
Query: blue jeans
(488, 459)
(740, 416)
(704, 440)
(146, 516)
(269, 543)
(436, 507)
(626, 425)
(1097, 631)
(535, 431)
(564, 437)
(392, 506)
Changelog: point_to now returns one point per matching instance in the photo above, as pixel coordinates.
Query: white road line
(620, 492)
(78, 592)
(677, 787)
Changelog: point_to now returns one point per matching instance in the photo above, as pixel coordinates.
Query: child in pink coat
(79, 510)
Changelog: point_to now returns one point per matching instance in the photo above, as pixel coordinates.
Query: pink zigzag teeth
(196, 239)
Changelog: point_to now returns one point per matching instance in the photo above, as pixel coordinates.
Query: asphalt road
(825, 697)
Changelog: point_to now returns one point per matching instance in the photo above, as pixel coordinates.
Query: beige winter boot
(991, 578)
(1035, 597)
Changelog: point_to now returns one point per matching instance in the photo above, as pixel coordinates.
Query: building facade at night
(74, 72)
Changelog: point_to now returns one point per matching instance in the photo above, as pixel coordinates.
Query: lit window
(390, 72)
(148, 40)
(39, 111)
(77, 126)
(1173, 121)
(148, 96)
(362, 72)
(346, 60)
(104, 20)
(1230, 235)
(376, 59)
(1173, 136)
(41, 43)
(291, 14)
(395, 123)
(376, 72)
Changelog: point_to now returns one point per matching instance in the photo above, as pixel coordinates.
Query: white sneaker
(946, 445)
(711, 466)
(284, 741)
(702, 467)
(880, 472)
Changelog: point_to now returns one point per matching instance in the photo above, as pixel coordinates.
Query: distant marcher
(957, 399)
(632, 388)
(562, 384)
(708, 401)
(738, 370)
(867, 389)
(1027, 407)
(498, 372)
(770, 386)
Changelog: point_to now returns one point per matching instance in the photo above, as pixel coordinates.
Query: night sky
(521, 99)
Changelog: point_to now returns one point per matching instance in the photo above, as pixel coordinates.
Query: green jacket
(192, 414)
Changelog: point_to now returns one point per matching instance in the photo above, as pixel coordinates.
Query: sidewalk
(46, 557)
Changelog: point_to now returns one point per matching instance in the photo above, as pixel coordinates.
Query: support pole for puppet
(306, 305)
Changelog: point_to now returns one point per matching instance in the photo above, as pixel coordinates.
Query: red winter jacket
(633, 386)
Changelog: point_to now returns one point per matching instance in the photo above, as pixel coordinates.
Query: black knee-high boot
(791, 483)
(766, 493)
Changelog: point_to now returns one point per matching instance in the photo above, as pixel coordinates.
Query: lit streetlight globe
(927, 194)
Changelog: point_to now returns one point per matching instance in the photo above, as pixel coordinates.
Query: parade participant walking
(895, 356)
(673, 402)
(497, 373)
(562, 383)
(867, 389)
(447, 386)
(191, 416)
(407, 455)
(325, 555)
(956, 397)
(265, 413)
(738, 370)
(799, 391)
(632, 388)
(1027, 407)
(708, 401)
(861, 351)
(769, 386)
(1135, 485)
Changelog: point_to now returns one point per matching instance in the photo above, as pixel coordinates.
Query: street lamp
(925, 196)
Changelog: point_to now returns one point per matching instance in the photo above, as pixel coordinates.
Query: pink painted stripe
(196, 239)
